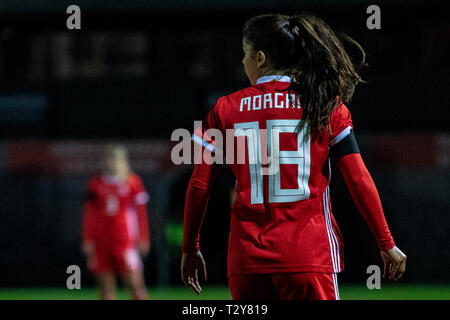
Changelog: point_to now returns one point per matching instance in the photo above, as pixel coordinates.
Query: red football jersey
(115, 213)
(280, 222)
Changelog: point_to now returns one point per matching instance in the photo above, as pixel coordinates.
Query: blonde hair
(112, 150)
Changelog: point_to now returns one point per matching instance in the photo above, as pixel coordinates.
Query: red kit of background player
(116, 222)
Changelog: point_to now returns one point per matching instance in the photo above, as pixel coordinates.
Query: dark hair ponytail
(305, 48)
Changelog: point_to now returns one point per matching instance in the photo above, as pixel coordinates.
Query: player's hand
(144, 248)
(193, 267)
(394, 263)
(87, 248)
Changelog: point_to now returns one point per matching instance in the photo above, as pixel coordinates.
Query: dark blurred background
(139, 69)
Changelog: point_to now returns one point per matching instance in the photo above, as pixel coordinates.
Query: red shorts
(284, 286)
(115, 260)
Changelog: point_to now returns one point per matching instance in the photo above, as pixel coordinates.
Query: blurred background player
(115, 226)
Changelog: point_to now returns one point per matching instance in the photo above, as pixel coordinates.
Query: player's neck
(113, 178)
(274, 72)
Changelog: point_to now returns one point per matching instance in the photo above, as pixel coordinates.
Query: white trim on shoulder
(340, 136)
(203, 143)
(273, 78)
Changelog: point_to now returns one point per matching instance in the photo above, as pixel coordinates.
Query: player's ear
(261, 58)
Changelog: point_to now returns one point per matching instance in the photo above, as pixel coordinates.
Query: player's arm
(365, 195)
(88, 223)
(197, 195)
(141, 200)
(144, 234)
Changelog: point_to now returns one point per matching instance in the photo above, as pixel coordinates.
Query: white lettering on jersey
(255, 106)
(245, 101)
(279, 100)
(290, 101)
(268, 99)
(277, 105)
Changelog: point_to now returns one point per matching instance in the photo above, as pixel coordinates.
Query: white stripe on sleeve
(334, 243)
(142, 198)
(340, 136)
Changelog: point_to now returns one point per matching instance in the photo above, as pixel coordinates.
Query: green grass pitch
(347, 292)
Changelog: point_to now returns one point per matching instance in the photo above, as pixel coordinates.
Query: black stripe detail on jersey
(344, 147)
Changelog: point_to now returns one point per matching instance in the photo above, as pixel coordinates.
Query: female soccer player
(284, 242)
(115, 226)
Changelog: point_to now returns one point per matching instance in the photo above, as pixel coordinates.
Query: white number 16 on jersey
(300, 157)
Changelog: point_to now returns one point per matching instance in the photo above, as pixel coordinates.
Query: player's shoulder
(341, 109)
(223, 112)
(238, 95)
(341, 123)
(134, 178)
(94, 181)
(340, 112)
(135, 183)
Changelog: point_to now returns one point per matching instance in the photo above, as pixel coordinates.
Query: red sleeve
(141, 199)
(200, 184)
(197, 196)
(340, 123)
(366, 198)
(89, 217)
